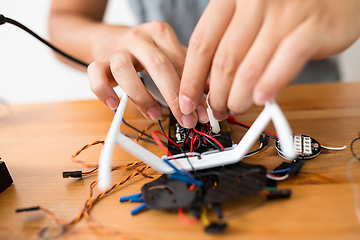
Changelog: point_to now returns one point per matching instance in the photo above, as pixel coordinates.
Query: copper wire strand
(90, 202)
(147, 128)
(82, 149)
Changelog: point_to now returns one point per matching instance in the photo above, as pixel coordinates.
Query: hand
(253, 49)
(152, 47)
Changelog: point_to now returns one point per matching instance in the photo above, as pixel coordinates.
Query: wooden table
(37, 141)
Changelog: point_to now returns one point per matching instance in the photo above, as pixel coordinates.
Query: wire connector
(2, 19)
(27, 209)
(74, 174)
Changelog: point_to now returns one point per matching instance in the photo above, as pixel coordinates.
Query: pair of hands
(249, 51)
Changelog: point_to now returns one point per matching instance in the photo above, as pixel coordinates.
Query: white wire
(334, 148)
(277, 178)
(354, 188)
(186, 154)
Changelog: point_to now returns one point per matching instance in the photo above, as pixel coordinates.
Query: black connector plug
(74, 174)
(5, 178)
(27, 209)
(276, 194)
(2, 19)
(295, 167)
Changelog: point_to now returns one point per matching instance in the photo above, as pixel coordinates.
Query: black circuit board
(179, 135)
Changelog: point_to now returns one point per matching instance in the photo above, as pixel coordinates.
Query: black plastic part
(195, 211)
(224, 137)
(216, 228)
(277, 194)
(296, 166)
(270, 183)
(217, 208)
(2, 19)
(5, 178)
(219, 184)
(74, 174)
(27, 209)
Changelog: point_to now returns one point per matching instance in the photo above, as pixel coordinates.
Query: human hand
(253, 49)
(152, 47)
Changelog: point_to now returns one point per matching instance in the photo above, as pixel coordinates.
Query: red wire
(184, 219)
(232, 120)
(206, 135)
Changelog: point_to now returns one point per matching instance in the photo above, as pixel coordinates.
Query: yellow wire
(204, 216)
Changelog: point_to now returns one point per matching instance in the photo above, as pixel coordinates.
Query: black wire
(143, 139)
(215, 145)
(161, 128)
(139, 131)
(263, 141)
(352, 148)
(265, 133)
(4, 19)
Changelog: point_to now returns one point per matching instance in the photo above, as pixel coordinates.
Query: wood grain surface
(37, 142)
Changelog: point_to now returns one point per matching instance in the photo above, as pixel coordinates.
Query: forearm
(79, 34)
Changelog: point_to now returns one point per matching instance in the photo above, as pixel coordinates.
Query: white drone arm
(270, 112)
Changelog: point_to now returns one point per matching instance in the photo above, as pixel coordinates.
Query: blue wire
(280, 170)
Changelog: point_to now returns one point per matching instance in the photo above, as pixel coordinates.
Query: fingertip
(186, 105)
(202, 114)
(219, 116)
(111, 103)
(260, 97)
(189, 120)
(154, 113)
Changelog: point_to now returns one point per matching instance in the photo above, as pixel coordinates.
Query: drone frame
(271, 111)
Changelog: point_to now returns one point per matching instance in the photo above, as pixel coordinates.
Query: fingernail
(111, 103)
(188, 120)
(202, 114)
(260, 97)
(153, 113)
(186, 105)
(219, 116)
(233, 114)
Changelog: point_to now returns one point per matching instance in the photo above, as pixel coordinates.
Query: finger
(202, 47)
(100, 84)
(273, 29)
(290, 57)
(162, 71)
(166, 40)
(122, 68)
(201, 111)
(232, 49)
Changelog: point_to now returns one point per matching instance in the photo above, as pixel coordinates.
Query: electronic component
(74, 174)
(218, 185)
(190, 163)
(183, 137)
(305, 147)
(5, 178)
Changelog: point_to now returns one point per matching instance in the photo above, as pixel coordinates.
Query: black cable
(160, 126)
(265, 133)
(139, 131)
(4, 19)
(352, 148)
(263, 141)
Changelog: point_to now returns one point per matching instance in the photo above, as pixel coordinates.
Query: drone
(166, 165)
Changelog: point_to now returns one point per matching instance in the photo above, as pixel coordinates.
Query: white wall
(30, 73)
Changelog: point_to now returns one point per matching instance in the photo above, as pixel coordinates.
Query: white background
(29, 72)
